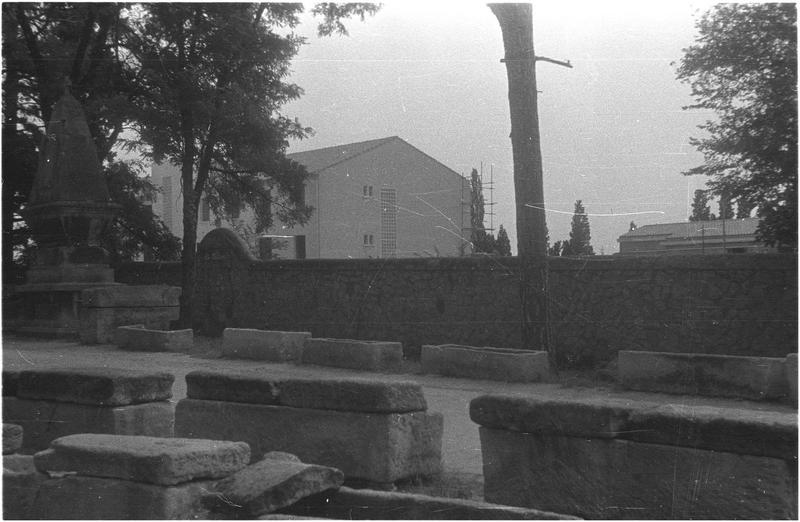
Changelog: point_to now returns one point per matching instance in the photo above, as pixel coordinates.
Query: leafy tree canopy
(743, 67)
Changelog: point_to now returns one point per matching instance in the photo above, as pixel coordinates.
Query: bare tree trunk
(516, 23)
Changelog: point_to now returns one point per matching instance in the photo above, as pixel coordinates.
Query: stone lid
(96, 386)
(358, 395)
(735, 430)
(155, 460)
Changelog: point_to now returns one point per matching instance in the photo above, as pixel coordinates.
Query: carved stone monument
(68, 210)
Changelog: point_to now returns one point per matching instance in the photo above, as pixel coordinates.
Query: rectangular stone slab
(137, 338)
(92, 498)
(43, 421)
(744, 431)
(376, 447)
(499, 364)
(755, 378)
(375, 356)
(269, 485)
(155, 460)
(96, 386)
(617, 479)
(365, 504)
(263, 345)
(360, 395)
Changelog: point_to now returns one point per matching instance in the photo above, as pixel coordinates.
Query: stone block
(771, 433)
(374, 447)
(617, 479)
(21, 483)
(269, 485)
(375, 356)
(140, 339)
(155, 460)
(91, 498)
(44, 421)
(10, 380)
(498, 364)
(755, 378)
(103, 309)
(131, 296)
(360, 395)
(263, 345)
(12, 438)
(791, 376)
(95, 386)
(364, 504)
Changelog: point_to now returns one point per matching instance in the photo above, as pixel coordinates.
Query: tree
(482, 241)
(212, 78)
(556, 249)
(46, 45)
(580, 235)
(502, 243)
(725, 206)
(743, 67)
(700, 209)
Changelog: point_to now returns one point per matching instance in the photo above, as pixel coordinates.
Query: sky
(614, 133)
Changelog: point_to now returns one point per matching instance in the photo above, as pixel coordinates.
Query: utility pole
(516, 24)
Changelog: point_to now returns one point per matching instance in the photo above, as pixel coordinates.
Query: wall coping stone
(357, 395)
(95, 386)
(743, 431)
(153, 460)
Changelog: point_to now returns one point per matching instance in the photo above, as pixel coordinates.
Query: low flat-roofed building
(718, 236)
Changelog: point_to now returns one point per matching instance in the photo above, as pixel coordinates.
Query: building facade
(372, 199)
(719, 236)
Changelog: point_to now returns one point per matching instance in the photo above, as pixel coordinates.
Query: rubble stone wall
(735, 304)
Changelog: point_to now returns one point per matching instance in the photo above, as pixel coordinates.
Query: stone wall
(739, 305)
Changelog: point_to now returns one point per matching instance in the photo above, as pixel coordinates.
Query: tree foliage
(46, 45)
(700, 209)
(743, 67)
(503, 243)
(580, 235)
(579, 242)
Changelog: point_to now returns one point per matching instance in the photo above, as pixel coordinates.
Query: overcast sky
(613, 130)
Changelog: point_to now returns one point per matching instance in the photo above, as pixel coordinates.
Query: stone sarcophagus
(375, 432)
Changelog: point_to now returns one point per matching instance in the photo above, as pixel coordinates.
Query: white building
(376, 198)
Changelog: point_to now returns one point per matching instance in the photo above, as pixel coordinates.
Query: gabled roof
(318, 160)
(694, 229)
